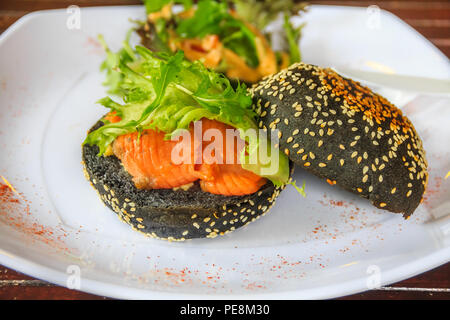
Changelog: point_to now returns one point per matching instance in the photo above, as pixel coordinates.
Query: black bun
(345, 133)
(172, 214)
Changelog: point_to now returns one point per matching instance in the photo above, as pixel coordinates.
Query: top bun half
(343, 132)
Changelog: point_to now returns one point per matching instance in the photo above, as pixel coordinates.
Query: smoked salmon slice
(210, 158)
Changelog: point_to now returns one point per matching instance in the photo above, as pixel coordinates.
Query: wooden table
(431, 18)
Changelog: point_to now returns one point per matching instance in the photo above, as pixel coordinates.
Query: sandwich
(346, 134)
(172, 159)
(148, 165)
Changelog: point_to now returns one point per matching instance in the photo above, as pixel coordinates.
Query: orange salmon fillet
(148, 159)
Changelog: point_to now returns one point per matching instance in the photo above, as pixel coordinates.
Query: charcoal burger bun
(346, 134)
(170, 214)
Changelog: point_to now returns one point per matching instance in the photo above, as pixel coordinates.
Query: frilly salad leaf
(167, 93)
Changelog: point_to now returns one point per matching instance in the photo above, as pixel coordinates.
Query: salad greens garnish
(233, 21)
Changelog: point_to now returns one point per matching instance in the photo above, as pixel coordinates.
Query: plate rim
(415, 267)
(29, 267)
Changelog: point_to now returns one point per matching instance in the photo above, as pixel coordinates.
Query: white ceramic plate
(330, 244)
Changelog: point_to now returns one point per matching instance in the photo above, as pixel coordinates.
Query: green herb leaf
(293, 36)
(299, 190)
